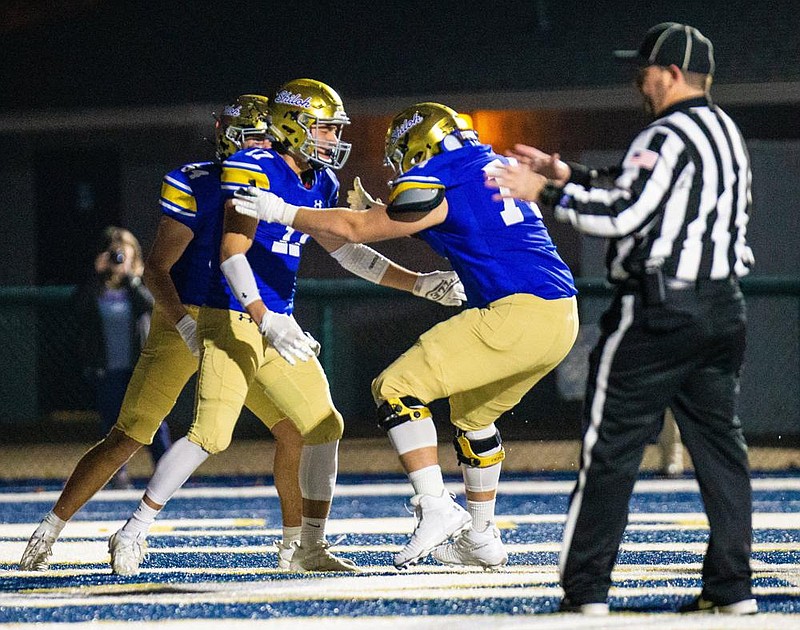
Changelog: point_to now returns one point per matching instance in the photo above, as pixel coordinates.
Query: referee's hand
(515, 181)
(547, 164)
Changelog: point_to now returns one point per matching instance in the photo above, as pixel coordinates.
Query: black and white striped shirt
(682, 200)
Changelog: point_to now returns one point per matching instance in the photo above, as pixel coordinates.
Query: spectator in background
(113, 308)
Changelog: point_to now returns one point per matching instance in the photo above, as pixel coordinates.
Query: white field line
(403, 489)
(364, 588)
(397, 525)
(636, 621)
(96, 551)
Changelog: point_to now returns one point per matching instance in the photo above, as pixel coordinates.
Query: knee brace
(470, 451)
(396, 411)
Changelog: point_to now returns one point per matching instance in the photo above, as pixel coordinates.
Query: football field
(212, 561)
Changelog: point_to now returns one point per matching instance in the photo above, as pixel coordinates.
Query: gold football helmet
(421, 131)
(248, 116)
(295, 109)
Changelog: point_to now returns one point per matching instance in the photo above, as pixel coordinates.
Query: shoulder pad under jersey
(177, 192)
(246, 168)
(415, 195)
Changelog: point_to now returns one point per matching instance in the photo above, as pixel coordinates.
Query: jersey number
(286, 247)
(193, 171)
(512, 208)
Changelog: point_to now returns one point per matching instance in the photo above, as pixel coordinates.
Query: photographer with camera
(113, 308)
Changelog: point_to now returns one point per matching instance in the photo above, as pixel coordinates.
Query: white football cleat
(285, 553)
(473, 548)
(438, 518)
(127, 552)
(318, 558)
(39, 549)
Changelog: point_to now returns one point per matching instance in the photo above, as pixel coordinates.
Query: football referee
(676, 213)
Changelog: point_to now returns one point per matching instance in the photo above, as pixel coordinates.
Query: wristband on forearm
(362, 261)
(239, 274)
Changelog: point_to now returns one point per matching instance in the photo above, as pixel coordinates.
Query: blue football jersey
(192, 196)
(498, 248)
(275, 253)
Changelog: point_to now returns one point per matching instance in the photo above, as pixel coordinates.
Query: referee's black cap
(672, 43)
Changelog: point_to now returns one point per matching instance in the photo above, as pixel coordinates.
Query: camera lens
(117, 256)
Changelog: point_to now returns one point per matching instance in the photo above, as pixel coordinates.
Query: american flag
(643, 158)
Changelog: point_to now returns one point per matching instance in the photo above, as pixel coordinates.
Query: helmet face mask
(421, 131)
(247, 118)
(301, 111)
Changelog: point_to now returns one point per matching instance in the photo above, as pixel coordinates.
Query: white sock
(427, 480)
(141, 520)
(52, 523)
(482, 513)
(312, 531)
(290, 535)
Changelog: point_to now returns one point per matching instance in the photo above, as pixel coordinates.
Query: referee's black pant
(686, 355)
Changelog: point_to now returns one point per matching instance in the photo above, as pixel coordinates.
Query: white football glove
(313, 344)
(263, 205)
(443, 287)
(286, 336)
(187, 328)
(360, 199)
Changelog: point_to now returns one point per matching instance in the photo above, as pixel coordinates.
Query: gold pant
(484, 360)
(237, 367)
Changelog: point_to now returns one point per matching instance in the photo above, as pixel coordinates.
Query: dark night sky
(116, 52)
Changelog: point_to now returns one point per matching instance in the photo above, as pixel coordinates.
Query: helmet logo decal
(287, 98)
(404, 127)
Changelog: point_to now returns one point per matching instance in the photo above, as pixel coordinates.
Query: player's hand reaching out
(263, 205)
(360, 199)
(515, 181)
(549, 165)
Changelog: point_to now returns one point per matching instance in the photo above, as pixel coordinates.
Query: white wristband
(362, 261)
(240, 277)
(287, 216)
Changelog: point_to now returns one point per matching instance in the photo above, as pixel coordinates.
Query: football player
(521, 322)
(251, 340)
(177, 274)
